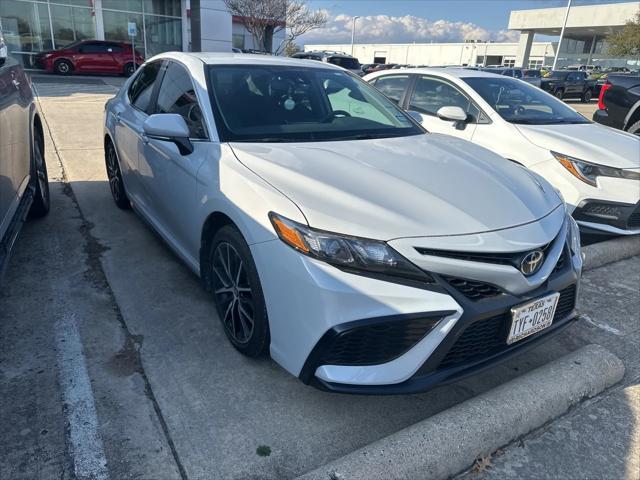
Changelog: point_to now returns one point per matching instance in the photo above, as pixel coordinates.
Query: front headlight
(350, 253)
(589, 172)
(574, 233)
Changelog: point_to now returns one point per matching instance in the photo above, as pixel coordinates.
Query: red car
(91, 56)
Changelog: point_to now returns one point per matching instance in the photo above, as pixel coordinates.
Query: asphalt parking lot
(113, 354)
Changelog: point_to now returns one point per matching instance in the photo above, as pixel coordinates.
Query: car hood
(424, 185)
(589, 141)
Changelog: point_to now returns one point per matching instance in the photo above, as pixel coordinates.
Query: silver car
(24, 187)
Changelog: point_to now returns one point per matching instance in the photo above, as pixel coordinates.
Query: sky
(406, 21)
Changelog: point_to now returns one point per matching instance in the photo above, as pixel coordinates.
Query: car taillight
(605, 87)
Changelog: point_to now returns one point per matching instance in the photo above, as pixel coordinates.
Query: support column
(524, 48)
(593, 46)
(97, 15)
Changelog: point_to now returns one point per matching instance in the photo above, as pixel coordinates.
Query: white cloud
(405, 29)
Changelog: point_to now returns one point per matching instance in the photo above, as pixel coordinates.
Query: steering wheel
(519, 110)
(194, 114)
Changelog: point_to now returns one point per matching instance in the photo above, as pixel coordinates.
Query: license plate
(532, 317)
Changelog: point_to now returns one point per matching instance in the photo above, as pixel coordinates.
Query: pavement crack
(129, 356)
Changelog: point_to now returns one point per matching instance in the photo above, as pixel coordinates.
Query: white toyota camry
(365, 254)
(596, 168)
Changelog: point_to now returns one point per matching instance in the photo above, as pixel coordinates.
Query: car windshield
(520, 102)
(270, 103)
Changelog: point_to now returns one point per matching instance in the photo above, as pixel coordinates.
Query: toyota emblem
(532, 262)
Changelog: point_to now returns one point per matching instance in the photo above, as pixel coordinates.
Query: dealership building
(584, 41)
(31, 26)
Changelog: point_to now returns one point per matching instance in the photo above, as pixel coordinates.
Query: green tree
(626, 42)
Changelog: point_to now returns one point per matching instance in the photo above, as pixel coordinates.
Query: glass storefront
(31, 26)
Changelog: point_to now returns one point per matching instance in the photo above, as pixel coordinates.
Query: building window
(509, 62)
(535, 63)
(238, 40)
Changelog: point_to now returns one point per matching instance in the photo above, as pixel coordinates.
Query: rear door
(129, 118)
(14, 138)
(94, 58)
(429, 94)
(169, 177)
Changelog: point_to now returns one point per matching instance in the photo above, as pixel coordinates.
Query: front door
(169, 177)
(430, 94)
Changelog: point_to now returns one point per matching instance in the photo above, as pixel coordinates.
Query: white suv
(363, 253)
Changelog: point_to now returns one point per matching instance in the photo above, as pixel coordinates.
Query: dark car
(569, 84)
(619, 103)
(335, 58)
(24, 186)
(531, 76)
(91, 56)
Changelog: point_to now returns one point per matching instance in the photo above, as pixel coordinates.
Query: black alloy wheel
(116, 185)
(63, 67)
(41, 198)
(237, 293)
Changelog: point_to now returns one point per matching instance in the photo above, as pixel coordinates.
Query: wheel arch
(212, 224)
(633, 116)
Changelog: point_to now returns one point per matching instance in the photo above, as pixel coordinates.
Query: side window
(517, 73)
(142, 86)
(572, 77)
(177, 95)
(93, 48)
(114, 48)
(393, 86)
(430, 94)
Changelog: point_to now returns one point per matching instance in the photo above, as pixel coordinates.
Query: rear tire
(41, 198)
(237, 292)
(635, 128)
(129, 69)
(559, 94)
(116, 185)
(586, 96)
(63, 67)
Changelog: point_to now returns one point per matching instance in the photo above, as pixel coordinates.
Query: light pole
(353, 32)
(566, 16)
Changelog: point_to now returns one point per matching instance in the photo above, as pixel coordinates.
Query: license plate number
(532, 317)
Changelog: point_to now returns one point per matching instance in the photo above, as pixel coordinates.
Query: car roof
(446, 72)
(223, 58)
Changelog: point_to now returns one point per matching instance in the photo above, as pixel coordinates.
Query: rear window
(345, 62)
(532, 73)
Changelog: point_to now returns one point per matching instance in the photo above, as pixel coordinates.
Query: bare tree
(264, 18)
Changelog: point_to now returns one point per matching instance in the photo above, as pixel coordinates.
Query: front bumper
(355, 334)
(609, 217)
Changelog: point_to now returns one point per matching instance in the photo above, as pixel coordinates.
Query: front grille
(562, 261)
(472, 289)
(487, 337)
(634, 218)
(509, 258)
(379, 343)
(601, 210)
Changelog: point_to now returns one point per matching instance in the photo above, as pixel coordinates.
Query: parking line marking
(86, 450)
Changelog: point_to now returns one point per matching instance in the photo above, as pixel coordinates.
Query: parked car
(531, 76)
(24, 187)
(335, 58)
(369, 67)
(91, 56)
(619, 103)
(596, 169)
(569, 84)
(332, 230)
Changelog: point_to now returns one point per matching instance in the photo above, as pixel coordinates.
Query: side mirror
(169, 127)
(454, 114)
(415, 115)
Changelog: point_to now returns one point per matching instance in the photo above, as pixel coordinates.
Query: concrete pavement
(173, 399)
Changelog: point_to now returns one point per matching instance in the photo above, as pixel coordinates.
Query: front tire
(237, 293)
(586, 96)
(41, 198)
(559, 94)
(63, 67)
(114, 174)
(129, 69)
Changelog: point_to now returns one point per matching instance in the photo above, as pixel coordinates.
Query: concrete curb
(610, 251)
(449, 442)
